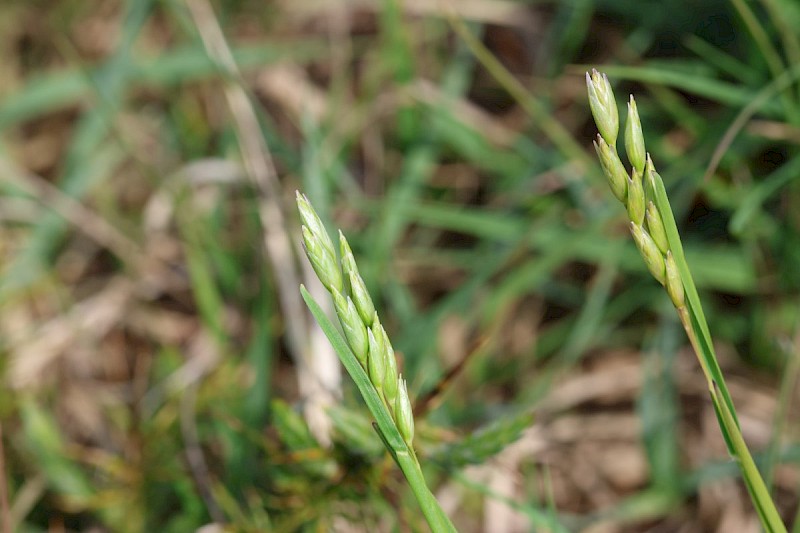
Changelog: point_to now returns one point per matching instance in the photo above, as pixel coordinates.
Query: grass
(162, 374)
(660, 246)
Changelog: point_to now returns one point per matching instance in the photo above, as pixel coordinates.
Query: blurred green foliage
(463, 200)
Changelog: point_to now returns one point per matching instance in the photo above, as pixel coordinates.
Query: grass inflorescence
(161, 371)
(661, 249)
(368, 344)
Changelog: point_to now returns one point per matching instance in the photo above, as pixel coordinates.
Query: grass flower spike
(405, 419)
(674, 284)
(354, 329)
(635, 199)
(322, 260)
(652, 179)
(650, 252)
(314, 224)
(612, 167)
(376, 366)
(390, 373)
(656, 227)
(660, 246)
(367, 354)
(358, 290)
(604, 107)
(634, 138)
(355, 282)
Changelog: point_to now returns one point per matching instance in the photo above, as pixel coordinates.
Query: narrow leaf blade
(484, 443)
(699, 323)
(351, 364)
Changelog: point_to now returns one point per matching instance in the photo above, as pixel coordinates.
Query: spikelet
(604, 107)
(634, 138)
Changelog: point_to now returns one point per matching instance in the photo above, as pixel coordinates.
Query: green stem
(770, 518)
(683, 314)
(759, 493)
(436, 517)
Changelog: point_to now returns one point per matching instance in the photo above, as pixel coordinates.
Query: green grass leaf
(483, 443)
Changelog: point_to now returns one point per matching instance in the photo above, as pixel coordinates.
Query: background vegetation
(161, 374)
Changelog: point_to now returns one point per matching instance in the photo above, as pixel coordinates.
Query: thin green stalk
(770, 518)
(694, 322)
(686, 321)
(436, 517)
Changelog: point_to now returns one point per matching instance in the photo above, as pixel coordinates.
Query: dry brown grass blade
(290, 86)
(259, 166)
(497, 12)
(85, 323)
(195, 456)
(84, 219)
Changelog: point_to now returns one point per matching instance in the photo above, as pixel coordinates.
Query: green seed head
(361, 298)
(390, 376)
(674, 284)
(603, 105)
(635, 199)
(354, 330)
(404, 418)
(650, 179)
(376, 364)
(612, 167)
(355, 283)
(322, 260)
(348, 261)
(312, 221)
(649, 251)
(634, 138)
(655, 225)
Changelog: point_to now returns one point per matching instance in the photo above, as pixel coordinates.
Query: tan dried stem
(81, 217)
(318, 388)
